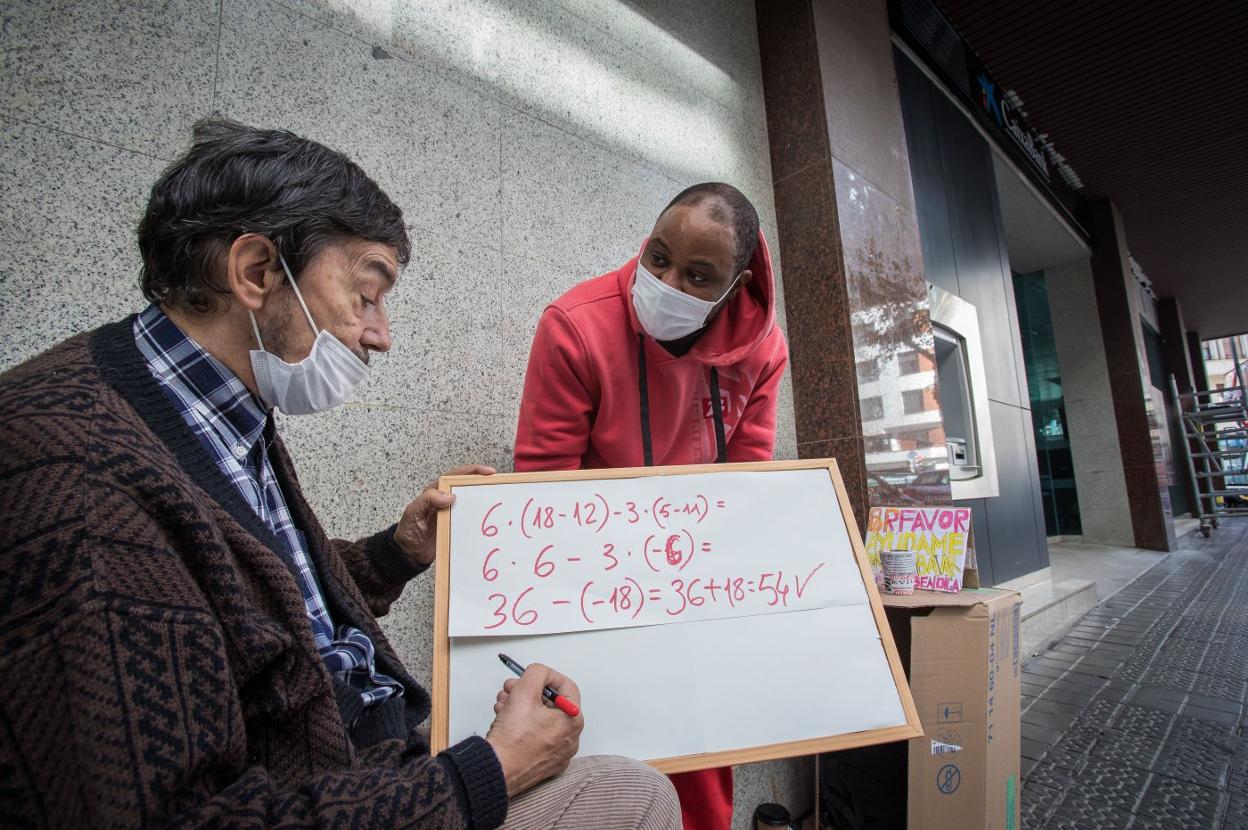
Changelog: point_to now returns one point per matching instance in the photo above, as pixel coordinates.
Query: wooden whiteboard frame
(440, 733)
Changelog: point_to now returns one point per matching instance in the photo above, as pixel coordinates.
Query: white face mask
(668, 313)
(322, 380)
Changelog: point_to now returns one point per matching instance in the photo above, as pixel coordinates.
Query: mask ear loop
(298, 295)
(723, 297)
(256, 329)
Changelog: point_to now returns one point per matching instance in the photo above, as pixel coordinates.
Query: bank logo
(988, 98)
(996, 102)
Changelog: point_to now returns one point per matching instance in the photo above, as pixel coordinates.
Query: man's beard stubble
(277, 333)
(275, 328)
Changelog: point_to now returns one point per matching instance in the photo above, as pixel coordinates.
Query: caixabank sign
(931, 41)
(1005, 111)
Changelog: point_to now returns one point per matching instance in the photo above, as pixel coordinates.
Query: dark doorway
(1048, 411)
(1159, 378)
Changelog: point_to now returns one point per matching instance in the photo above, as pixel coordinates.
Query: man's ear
(746, 276)
(252, 270)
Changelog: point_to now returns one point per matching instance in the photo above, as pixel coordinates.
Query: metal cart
(1215, 428)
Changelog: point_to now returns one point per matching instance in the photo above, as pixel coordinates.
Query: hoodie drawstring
(717, 410)
(721, 446)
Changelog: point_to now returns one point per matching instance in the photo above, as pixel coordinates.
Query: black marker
(550, 694)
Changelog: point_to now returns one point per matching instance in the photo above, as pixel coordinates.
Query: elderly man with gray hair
(180, 641)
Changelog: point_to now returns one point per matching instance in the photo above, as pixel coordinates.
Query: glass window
(872, 408)
(868, 370)
(912, 401)
(908, 363)
(878, 443)
(1054, 460)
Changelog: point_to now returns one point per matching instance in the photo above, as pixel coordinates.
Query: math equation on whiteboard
(547, 557)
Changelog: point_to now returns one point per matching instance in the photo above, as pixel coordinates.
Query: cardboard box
(961, 653)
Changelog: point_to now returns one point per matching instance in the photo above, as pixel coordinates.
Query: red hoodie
(582, 409)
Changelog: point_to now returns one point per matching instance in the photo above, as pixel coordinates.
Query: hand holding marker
(568, 707)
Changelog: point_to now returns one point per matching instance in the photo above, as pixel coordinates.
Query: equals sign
(706, 546)
(655, 593)
(720, 504)
(561, 602)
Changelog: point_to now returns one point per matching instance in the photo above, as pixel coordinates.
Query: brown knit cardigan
(156, 662)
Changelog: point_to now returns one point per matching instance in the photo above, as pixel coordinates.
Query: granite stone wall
(530, 143)
(1104, 508)
(857, 299)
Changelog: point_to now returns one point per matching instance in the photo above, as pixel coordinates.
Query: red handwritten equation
(566, 556)
(597, 513)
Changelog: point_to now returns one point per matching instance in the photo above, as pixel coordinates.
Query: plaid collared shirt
(230, 423)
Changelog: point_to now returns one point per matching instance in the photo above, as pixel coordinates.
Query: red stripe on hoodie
(581, 409)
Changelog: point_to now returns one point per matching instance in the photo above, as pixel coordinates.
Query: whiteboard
(710, 615)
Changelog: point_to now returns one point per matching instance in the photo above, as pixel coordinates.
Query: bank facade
(967, 325)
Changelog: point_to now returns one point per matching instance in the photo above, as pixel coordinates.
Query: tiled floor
(1111, 568)
(1104, 569)
(1133, 718)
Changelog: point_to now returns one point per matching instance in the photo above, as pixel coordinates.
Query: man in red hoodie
(675, 358)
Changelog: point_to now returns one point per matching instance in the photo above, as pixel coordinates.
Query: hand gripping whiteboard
(711, 615)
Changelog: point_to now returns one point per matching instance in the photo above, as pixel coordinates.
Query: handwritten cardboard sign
(939, 537)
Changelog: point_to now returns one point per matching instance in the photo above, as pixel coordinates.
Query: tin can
(899, 571)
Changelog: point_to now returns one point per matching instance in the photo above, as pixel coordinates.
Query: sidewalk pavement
(1133, 718)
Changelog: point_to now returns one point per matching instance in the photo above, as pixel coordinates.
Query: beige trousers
(602, 792)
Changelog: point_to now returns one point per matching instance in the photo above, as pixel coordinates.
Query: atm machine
(963, 396)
